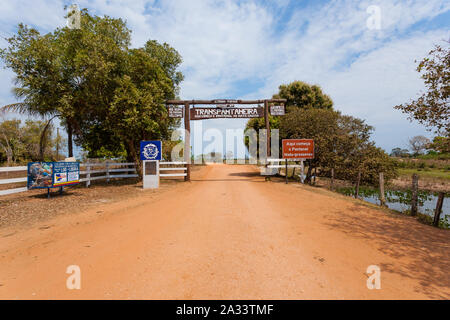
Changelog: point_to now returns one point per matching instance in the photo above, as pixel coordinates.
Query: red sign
(298, 149)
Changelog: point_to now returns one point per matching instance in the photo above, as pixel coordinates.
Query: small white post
(302, 168)
(88, 174)
(107, 171)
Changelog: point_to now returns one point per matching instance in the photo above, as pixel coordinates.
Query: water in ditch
(400, 200)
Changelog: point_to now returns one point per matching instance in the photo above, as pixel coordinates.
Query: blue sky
(246, 49)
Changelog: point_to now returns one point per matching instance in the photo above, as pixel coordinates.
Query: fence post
(332, 179)
(437, 212)
(315, 173)
(107, 171)
(382, 199)
(414, 199)
(286, 173)
(88, 174)
(358, 181)
(302, 172)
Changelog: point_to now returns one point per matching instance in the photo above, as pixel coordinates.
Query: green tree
(341, 143)
(440, 144)
(88, 77)
(432, 108)
(21, 143)
(419, 144)
(399, 152)
(299, 95)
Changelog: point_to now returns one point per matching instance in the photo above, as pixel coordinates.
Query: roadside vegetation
(107, 95)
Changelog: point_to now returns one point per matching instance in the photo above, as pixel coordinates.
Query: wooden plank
(274, 166)
(11, 169)
(11, 191)
(123, 176)
(222, 101)
(172, 169)
(94, 178)
(172, 163)
(14, 180)
(122, 170)
(173, 175)
(92, 171)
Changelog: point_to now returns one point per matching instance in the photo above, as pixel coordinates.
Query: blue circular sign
(150, 151)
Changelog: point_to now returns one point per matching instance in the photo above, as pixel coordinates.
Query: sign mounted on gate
(277, 110)
(298, 148)
(175, 111)
(220, 113)
(151, 150)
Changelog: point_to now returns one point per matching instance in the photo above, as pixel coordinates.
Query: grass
(427, 173)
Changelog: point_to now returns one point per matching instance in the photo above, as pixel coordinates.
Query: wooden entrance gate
(224, 109)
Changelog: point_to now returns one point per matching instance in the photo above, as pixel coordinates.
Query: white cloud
(226, 44)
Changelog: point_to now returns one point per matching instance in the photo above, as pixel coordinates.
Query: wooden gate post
(382, 199)
(267, 123)
(187, 141)
(415, 187)
(437, 212)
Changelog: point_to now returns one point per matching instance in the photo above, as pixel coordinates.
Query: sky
(362, 53)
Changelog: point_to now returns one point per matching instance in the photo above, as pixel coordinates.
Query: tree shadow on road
(427, 248)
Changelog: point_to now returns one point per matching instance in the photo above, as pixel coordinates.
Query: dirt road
(228, 234)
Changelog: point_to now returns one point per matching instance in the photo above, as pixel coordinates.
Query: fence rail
(176, 163)
(108, 168)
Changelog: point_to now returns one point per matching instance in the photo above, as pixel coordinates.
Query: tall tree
(299, 95)
(66, 72)
(432, 108)
(419, 144)
(107, 95)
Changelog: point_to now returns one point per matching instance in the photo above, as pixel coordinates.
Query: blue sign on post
(151, 150)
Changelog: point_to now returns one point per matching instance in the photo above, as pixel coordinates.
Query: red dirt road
(228, 234)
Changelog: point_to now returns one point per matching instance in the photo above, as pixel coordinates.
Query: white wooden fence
(110, 170)
(90, 171)
(179, 174)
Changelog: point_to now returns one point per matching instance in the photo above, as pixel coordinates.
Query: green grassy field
(426, 173)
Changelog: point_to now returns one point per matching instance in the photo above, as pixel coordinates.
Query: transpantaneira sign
(217, 113)
(298, 148)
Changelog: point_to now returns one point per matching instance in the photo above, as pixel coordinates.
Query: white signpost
(150, 156)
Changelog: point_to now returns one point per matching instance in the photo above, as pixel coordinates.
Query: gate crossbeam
(223, 101)
(187, 104)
